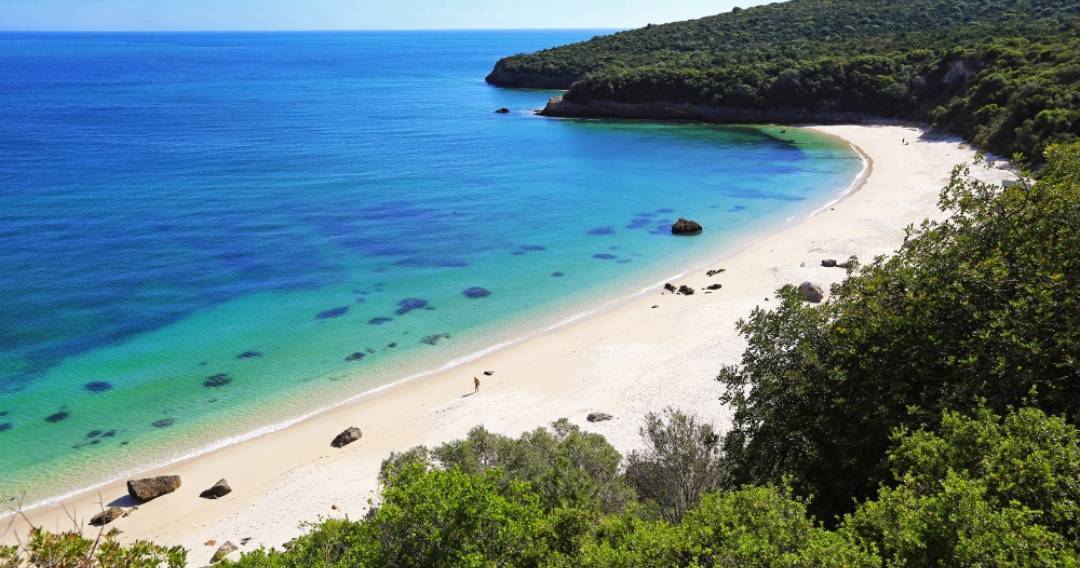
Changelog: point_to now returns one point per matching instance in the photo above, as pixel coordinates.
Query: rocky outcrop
(503, 76)
(348, 436)
(224, 550)
(811, 292)
(598, 417)
(217, 490)
(686, 290)
(152, 487)
(686, 227)
(107, 516)
(559, 106)
(502, 110)
(829, 263)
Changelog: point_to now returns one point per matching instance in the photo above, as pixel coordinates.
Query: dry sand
(626, 361)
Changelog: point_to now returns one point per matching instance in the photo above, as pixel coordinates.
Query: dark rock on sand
(218, 380)
(435, 339)
(107, 516)
(224, 550)
(670, 287)
(477, 292)
(489, 373)
(712, 273)
(409, 304)
(57, 417)
(852, 262)
(332, 313)
(217, 490)
(348, 436)
(163, 423)
(502, 110)
(686, 227)
(599, 417)
(354, 356)
(686, 290)
(829, 263)
(715, 287)
(249, 355)
(152, 487)
(604, 256)
(811, 292)
(97, 386)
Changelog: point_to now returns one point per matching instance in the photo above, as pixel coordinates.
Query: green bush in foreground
(73, 550)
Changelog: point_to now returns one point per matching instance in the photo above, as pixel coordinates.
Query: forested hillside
(1003, 73)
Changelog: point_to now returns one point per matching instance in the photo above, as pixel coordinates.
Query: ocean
(206, 235)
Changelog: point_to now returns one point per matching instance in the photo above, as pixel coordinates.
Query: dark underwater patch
(638, 223)
(603, 256)
(601, 231)
(97, 386)
(435, 339)
(352, 357)
(379, 320)
(737, 208)
(532, 248)
(5, 426)
(332, 313)
(249, 355)
(218, 380)
(477, 292)
(94, 433)
(409, 304)
(665, 210)
(557, 274)
(57, 417)
(163, 423)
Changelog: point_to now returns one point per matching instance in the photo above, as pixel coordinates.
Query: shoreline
(611, 375)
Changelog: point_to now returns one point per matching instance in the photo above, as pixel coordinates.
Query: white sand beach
(626, 361)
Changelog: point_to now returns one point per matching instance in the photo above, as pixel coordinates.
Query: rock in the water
(218, 490)
(715, 286)
(686, 290)
(352, 357)
(503, 110)
(97, 386)
(347, 437)
(477, 292)
(107, 516)
(435, 339)
(686, 227)
(57, 417)
(409, 304)
(152, 487)
(332, 313)
(218, 380)
(811, 292)
(224, 550)
(829, 263)
(598, 417)
(249, 355)
(163, 423)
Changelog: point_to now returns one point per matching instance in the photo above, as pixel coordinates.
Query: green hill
(1003, 73)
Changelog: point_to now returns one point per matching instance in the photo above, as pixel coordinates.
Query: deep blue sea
(206, 234)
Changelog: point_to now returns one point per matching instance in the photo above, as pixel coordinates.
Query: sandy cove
(626, 361)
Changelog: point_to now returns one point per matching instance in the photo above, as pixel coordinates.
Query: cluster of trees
(923, 416)
(1003, 73)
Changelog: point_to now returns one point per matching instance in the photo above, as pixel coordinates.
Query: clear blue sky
(130, 15)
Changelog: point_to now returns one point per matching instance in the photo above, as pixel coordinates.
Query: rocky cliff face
(560, 107)
(504, 76)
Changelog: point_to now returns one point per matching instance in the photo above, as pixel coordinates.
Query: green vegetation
(73, 550)
(1005, 74)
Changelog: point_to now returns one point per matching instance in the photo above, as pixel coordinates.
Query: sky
(242, 15)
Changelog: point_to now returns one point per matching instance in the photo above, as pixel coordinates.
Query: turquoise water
(206, 234)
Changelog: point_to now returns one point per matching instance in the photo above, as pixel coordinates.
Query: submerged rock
(598, 417)
(152, 487)
(217, 490)
(604, 256)
(163, 423)
(557, 275)
(686, 227)
(532, 248)
(218, 380)
(107, 516)
(249, 355)
(811, 292)
(379, 320)
(97, 386)
(346, 437)
(332, 313)
(502, 110)
(477, 292)
(354, 356)
(601, 231)
(57, 417)
(5, 426)
(409, 304)
(435, 339)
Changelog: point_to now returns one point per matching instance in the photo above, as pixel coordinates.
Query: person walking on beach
(476, 384)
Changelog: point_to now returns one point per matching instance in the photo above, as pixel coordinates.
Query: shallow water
(203, 234)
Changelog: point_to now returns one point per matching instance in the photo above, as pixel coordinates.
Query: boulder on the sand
(598, 417)
(224, 550)
(107, 516)
(852, 262)
(686, 290)
(347, 437)
(503, 110)
(712, 273)
(811, 292)
(489, 373)
(217, 490)
(686, 227)
(714, 287)
(152, 487)
(670, 287)
(829, 263)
